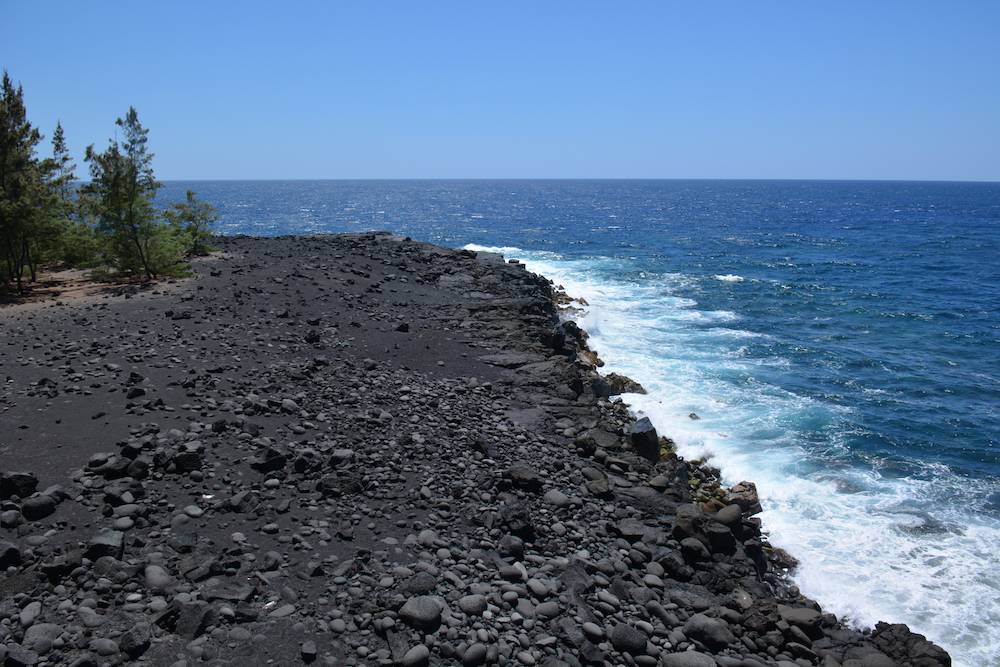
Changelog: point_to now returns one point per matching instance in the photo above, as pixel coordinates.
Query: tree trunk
(19, 274)
(32, 263)
(9, 251)
(142, 255)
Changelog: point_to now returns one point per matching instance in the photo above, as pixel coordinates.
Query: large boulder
(721, 539)
(10, 555)
(40, 637)
(524, 476)
(711, 632)
(906, 647)
(341, 484)
(622, 384)
(193, 618)
(694, 551)
(106, 543)
(644, 440)
(270, 458)
(137, 639)
(20, 484)
(744, 494)
(38, 507)
(688, 521)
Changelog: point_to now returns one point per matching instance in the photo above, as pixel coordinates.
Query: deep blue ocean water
(840, 342)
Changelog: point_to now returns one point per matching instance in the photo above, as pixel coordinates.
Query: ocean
(839, 343)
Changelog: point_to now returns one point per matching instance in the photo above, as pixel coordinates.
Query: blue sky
(523, 90)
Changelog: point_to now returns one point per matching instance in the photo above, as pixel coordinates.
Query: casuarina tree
(19, 173)
(191, 220)
(120, 196)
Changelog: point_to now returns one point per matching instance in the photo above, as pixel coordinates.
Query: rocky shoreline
(365, 450)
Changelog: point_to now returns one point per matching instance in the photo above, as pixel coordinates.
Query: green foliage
(79, 246)
(110, 223)
(52, 211)
(166, 251)
(120, 196)
(20, 187)
(191, 221)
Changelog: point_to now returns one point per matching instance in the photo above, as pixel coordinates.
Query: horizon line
(584, 178)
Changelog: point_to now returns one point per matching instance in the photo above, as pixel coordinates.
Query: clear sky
(523, 89)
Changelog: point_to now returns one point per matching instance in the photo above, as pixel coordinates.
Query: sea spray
(871, 547)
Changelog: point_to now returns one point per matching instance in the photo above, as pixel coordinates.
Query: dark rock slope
(364, 450)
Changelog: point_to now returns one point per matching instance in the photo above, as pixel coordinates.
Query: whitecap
(871, 546)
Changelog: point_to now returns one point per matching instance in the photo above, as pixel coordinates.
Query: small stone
(89, 617)
(473, 605)
(593, 630)
(548, 609)
(537, 588)
(418, 656)
(283, 611)
(628, 639)
(556, 498)
(157, 579)
(308, 651)
(422, 612)
(475, 655)
(29, 613)
(104, 646)
(687, 659)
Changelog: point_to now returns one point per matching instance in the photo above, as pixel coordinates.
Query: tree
(191, 220)
(109, 221)
(121, 194)
(74, 243)
(63, 168)
(52, 204)
(19, 174)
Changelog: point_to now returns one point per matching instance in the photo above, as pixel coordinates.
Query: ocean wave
(872, 547)
(729, 278)
(512, 252)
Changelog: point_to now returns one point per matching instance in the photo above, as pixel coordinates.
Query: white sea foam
(729, 278)
(871, 548)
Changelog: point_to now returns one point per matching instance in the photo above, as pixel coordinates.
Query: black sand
(366, 450)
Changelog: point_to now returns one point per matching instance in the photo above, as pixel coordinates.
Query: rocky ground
(363, 450)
